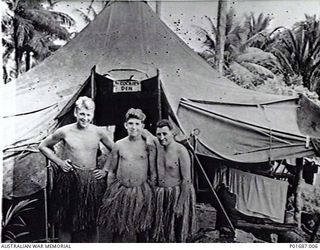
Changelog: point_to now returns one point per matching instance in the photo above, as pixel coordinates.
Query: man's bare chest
(81, 142)
(133, 154)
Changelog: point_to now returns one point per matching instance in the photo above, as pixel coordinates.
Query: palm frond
(11, 234)
(21, 234)
(261, 37)
(209, 39)
(213, 28)
(315, 49)
(284, 60)
(7, 54)
(230, 16)
(276, 32)
(24, 30)
(90, 8)
(17, 225)
(7, 40)
(95, 14)
(43, 20)
(40, 45)
(315, 68)
(22, 220)
(83, 15)
(259, 70)
(254, 54)
(14, 211)
(260, 19)
(293, 41)
(63, 18)
(105, 2)
(53, 3)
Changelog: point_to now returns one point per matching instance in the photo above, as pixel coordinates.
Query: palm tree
(30, 29)
(233, 34)
(299, 52)
(256, 27)
(244, 62)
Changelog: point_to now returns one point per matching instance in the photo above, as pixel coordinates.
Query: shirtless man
(75, 200)
(175, 195)
(127, 206)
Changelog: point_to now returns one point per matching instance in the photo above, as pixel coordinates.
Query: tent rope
(270, 145)
(262, 108)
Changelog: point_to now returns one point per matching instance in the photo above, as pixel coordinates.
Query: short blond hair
(84, 102)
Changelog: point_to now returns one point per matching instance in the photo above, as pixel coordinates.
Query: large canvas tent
(235, 124)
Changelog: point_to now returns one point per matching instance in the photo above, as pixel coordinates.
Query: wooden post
(221, 34)
(297, 193)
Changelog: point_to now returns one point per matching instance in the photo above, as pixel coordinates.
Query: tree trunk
(16, 49)
(28, 60)
(158, 7)
(221, 35)
(5, 75)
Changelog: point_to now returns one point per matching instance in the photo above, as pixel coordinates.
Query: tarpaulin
(245, 133)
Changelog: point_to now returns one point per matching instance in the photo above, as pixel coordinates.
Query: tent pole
(93, 82)
(193, 177)
(93, 86)
(45, 190)
(159, 96)
(49, 227)
(210, 185)
(297, 191)
(46, 213)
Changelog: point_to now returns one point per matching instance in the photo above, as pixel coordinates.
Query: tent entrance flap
(116, 96)
(117, 93)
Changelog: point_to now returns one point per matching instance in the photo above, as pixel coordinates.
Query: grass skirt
(75, 199)
(127, 209)
(168, 226)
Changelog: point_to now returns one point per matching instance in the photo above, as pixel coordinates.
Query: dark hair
(135, 113)
(164, 123)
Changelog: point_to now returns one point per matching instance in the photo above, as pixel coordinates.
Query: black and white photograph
(160, 121)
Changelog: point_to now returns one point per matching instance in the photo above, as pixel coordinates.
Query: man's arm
(152, 154)
(185, 170)
(110, 166)
(185, 165)
(150, 139)
(46, 148)
(105, 139)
